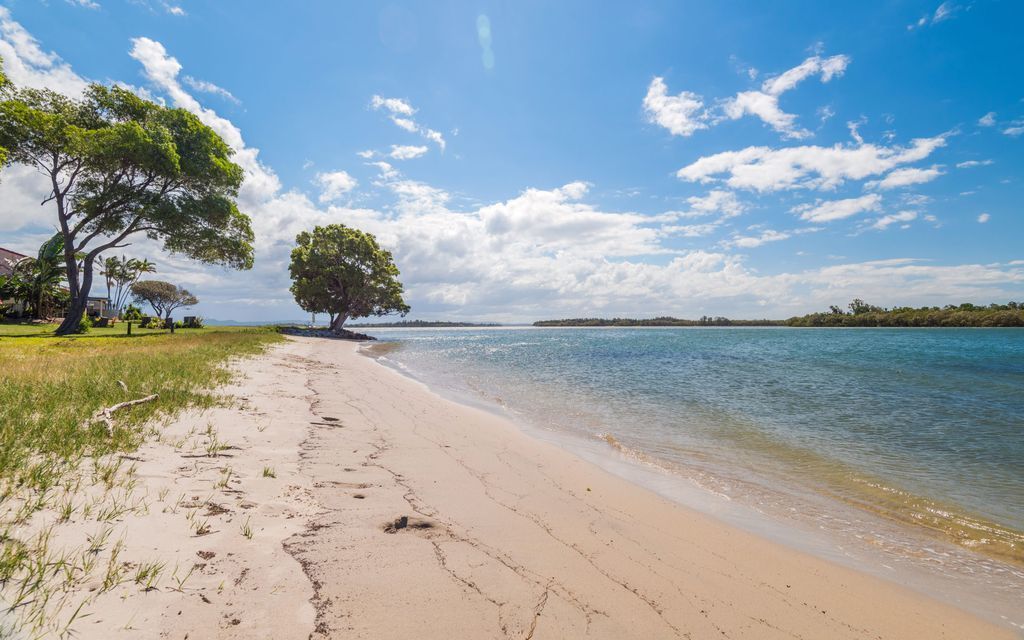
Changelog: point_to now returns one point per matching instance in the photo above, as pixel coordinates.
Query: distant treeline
(857, 314)
(663, 321)
(416, 324)
(861, 314)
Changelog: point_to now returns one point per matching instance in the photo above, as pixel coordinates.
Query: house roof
(8, 259)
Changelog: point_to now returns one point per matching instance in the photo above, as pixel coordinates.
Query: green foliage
(38, 281)
(344, 272)
(131, 313)
(164, 297)
(85, 325)
(965, 315)
(127, 166)
(120, 274)
(4, 85)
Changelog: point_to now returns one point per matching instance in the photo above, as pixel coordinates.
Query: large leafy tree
(164, 297)
(121, 167)
(4, 86)
(344, 273)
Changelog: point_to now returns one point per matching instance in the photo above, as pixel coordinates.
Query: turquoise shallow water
(922, 429)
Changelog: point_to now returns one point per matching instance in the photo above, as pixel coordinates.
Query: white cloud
(541, 253)
(684, 114)
(943, 12)
(968, 164)
(749, 242)
(805, 167)
(400, 112)
(405, 123)
(174, 10)
(690, 230)
(717, 201)
(406, 152)
(85, 4)
(988, 120)
(838, 209)
(261, 183)
(209, 87)
(905, 177)
(1015, 130)
(681, 114)
(335, 184)
(764, 104)
(27, 65)
(983, 218)
(394, 105)
(886, 221)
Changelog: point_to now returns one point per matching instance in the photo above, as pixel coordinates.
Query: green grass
(50, 385)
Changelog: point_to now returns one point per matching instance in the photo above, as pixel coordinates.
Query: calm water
(893, 438)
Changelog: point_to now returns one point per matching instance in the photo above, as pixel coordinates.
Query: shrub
(85, 325)
(131, 313)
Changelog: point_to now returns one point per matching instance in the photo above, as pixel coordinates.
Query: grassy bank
(49, 387)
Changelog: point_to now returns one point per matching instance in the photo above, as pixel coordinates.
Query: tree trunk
(73, 318)
(79, 297)
(338, 322)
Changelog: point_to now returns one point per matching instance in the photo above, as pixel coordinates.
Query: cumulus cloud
(335, 184)
(538, 253)
(681, 114)
(886, 221)
(162, 69)
(805, 167)
(988, 120)
(764, 104)
(904, 178)
(717, 201)
(400, 112)
(27, 65)
(983, 218)
(406, 152)
(684, 114)
(838, 209)
(749, 242)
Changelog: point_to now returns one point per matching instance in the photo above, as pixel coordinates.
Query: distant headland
(857, 314)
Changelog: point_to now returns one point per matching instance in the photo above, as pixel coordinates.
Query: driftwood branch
(106, 415)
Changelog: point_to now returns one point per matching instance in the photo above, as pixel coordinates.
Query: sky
(536, 160)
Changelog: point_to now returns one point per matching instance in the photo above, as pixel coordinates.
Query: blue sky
(530, 160)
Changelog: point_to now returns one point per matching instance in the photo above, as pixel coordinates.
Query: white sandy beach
(506, 536)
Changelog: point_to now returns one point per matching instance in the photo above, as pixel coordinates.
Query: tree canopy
(343, 272)
(164, 297)
(122, 166)
(4, 84)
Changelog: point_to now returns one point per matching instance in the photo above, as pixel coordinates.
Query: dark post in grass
(129, 327)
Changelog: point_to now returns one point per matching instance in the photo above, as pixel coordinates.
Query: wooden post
(129, 327)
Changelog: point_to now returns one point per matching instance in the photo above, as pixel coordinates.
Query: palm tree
(123, 273)
(35, 280)
(111, 271)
